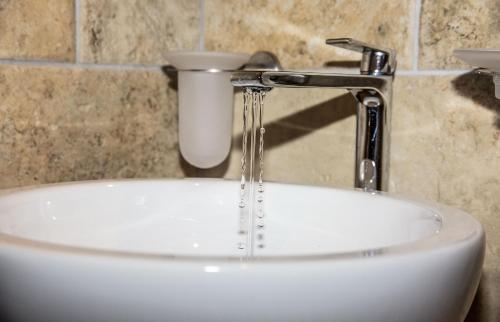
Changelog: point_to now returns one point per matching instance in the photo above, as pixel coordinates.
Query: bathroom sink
(165, 250)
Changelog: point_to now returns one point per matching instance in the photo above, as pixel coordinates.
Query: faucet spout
(295, 79)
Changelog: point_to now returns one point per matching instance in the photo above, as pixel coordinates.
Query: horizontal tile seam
(432, 72)
(42, 63)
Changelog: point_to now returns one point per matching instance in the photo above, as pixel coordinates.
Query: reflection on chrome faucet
(372, 89)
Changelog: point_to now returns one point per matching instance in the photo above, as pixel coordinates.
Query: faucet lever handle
(376, 60)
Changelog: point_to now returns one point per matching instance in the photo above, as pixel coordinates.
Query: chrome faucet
(372, 89)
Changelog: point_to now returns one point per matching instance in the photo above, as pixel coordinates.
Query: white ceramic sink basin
(165, 250)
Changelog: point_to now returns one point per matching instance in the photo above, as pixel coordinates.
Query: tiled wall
(83, 96)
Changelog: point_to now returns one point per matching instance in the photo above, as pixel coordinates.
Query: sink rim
(457, 228)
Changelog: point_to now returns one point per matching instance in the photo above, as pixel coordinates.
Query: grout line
(201, 26)
(141, 67)
(416, 34)
(77, 32)
(432, 72)
(93, 66)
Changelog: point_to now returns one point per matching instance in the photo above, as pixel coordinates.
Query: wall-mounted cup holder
(206, 104)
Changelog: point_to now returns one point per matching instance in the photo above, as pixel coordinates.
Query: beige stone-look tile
(447, 24)
(309, 137)
(34, 29)
(71, 124)
(296, 30)
(445, 131)
(446, 147)
(137, 32)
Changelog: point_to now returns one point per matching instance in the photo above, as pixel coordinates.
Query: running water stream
(251, 223)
